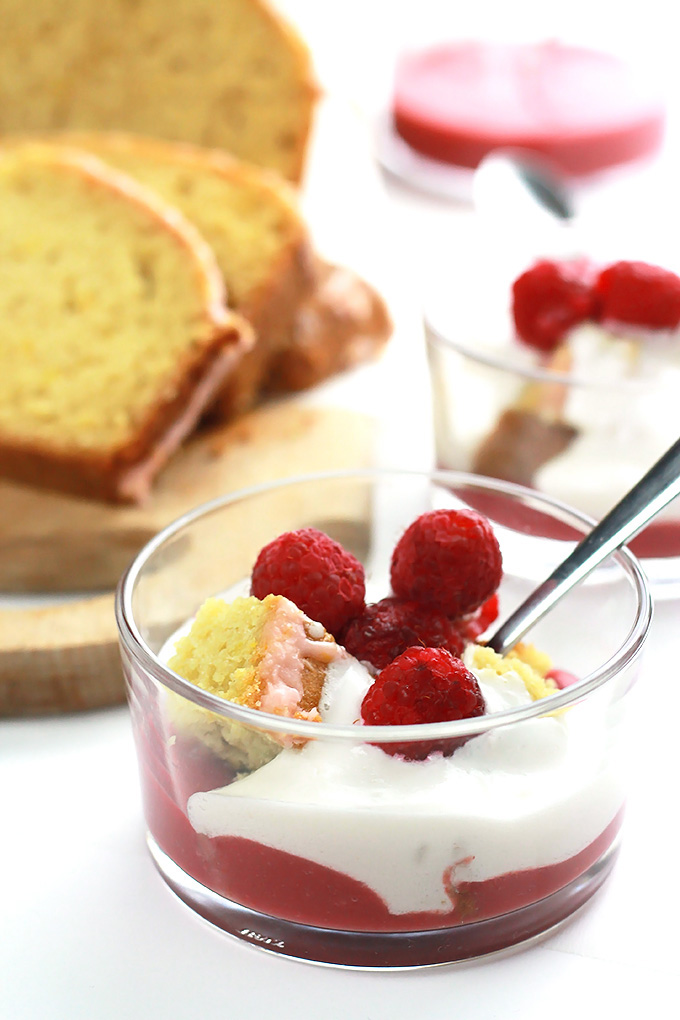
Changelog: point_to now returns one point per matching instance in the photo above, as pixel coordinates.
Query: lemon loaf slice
(250, 219)
(311, 320)
(225, 73)
(262, 654)
(114, 335)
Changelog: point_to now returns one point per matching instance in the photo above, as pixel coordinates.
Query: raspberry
(314, 571)
(640, 295)
(549, 299)
(448, 559)
(422, 685)
(470, 627)
(387, 628)
(561, 678)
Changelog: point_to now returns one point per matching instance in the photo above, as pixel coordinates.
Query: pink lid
(583, 109)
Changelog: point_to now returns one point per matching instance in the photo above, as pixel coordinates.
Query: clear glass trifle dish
(536, 379)
(336, 836)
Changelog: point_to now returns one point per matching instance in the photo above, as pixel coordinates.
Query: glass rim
(132, 640)
(530, 372)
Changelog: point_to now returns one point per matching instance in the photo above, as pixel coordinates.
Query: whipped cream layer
(518, 797)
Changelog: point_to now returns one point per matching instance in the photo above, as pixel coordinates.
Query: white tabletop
(87, 927)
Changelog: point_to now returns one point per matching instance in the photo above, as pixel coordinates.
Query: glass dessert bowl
(323, 837)
(580, 413)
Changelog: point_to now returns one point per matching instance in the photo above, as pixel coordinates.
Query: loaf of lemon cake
(262, 654)
(225, 73)
(311, 320)
(115, 334)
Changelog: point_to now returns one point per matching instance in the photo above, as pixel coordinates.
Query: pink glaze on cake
(287, 647)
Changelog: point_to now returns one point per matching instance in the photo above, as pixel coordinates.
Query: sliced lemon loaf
(251, 221)
(115, 334)
(311, 319)
(226, 73)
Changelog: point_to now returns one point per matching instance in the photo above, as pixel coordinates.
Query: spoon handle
(645, 500)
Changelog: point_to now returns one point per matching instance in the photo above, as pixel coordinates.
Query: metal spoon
(644, 501)
(508, 176)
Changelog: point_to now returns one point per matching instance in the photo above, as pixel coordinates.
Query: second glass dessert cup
(332, 850)
(582, 440)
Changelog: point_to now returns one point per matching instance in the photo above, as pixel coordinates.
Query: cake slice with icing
(260, 653)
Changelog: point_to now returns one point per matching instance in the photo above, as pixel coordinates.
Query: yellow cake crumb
(539, 661)
(220, 653)
(526, 661)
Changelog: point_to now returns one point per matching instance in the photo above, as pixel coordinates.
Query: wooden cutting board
(65, 657)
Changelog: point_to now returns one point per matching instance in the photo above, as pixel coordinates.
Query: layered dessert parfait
(377, 783)
(570, 389)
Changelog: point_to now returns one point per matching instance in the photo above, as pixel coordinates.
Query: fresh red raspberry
(639, 295)
(470, 627)
(549, 299)
(448, 559)
(422, 685)
(387, 628)
(314, 571)
(561, 678)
